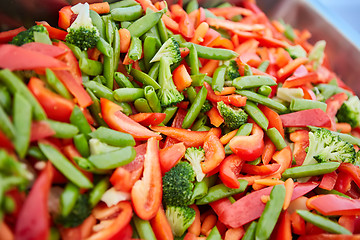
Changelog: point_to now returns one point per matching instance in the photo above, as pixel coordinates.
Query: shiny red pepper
(214, 152)
(230, 169)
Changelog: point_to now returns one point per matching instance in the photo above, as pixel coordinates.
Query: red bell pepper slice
(331, 204)
(186, 27)
(352, 171)
(283, 227)
(170, 156)
(71, 61)
(34, 218)
(233, 99)
(343, 182)
(65, 15)
(214, 153)
(161, 226)
(284, 158)
(40, 130)
(328, 181)
(274, 119)
(261, 169)
(352, 223)
(46, 49)
(55, 106)
(7, 36)
(328, 236)
(117, 120)
(146, 193)
(5, 142)
(210, 36)
(19, 58)
(147, 119)
(297, 81)
(297, 224)
(177, 123)
(80, 232)
(333, 105)
(229, 170)
(301, 118)
(54, 33)
(250, 147)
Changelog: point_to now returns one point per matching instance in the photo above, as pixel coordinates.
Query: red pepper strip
(186, 28)
(210, 36)
(184, 52)
(121, 180)
(214, 153)
(283, 227)
(222, 43)
(65, 15)
(54, 33)
(147, 119)
(250, 207)
(19, 58)
(301, 118)
(263, 41)
(229, 171)
(146, 194)
(80, 232)
(111, 112)
(352, 223)
(297, 224)
(250, 147)
(119, 227)
(34, 218)
(161, 227)
(255, 71)
(230, 25)
(7, 36)
(190, 138)
(55, 106)
(343, 182)
(328, 236)
(269, 150)
(301, 142)
(46, 49)
(233, 99)
(308, 93)
(297, 81)
(177, 123)
(351, 170)
(40, 130)
(5, 142)
(328, 181)
(333, 105)
(284, 158)
(331, 204)
(170, 156)
(229, 12)
(261, 169)
(288, 69)
(274, 119)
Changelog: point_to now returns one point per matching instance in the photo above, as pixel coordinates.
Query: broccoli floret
(206, 107)
(349, 112)
(80, 212)
(325, 146)
(180, 218)
(195, 156)
(170, 49)
(233, 117)
(178, 185)
(82, 33)
(232, 70)
(28, 35)
(168, 94)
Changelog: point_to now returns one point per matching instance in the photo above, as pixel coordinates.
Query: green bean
(212, 53)
(154, 71)
(65, 166)
(108, 71)
(123, 3)
(95, 108)
(298, 104)
(130, 13)
(250, 231)
(144, 78)
(63, 130)
(200, 123)
(264, 65)
(143, 228)
(56, 84)
(126, 108)
(104, 47)
(193, 60)
(78, 119)
(192, 6)
(170, 112)
(100, 90)
(256, 114)
(98, 23)
(82, 145)
(152, 99)
(271, 213)
(143, 24)
(14, 84)
(6, 125)
(116, 47)
(128, 94)
(122, 81)
(214, 234)
(135, 50)
(219, 78)
(112, 137)
(162, 31)
(5, 99)
(151, 46)
(220, 191)
(310, 170)
(35, 152)
(275, 136)
(68, 198)
(244, 130)
(323, 222)
(195, 108)
(262, 100)
(264, 90)
(142, 105)
(191, 93)
(22, 116)
(98, 190)
(248, 82)
(114, 159)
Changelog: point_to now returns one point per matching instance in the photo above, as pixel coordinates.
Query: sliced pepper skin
(214, 153)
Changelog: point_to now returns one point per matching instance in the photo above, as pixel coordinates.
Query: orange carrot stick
(234, 233)
(268, 181)
(226, 91)
(210, 67)
(289, 187)
(208, 224)
(343, 127)
(200, 33)
(181, 78)
(195, 227)
(100, 8)
(215, 118)
(227, 137)
(288, 69)
(125, 39)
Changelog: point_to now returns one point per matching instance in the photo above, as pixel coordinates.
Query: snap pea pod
(95, 108)
(56, 84)
(108, 71)
(144, 78)
(218, 80)
(276, 138)
(212, 53)
(85, 164)
(129, 13)
(154, 71)
(14, 84)
(298, 104)
(128, 94)
(104, 47)
(244, 130)
(65, 166)
(195, 108)
(22, 116)
(310, 170)
(264, 65)
(170, 112)
(126, 108)
(192, 6)
(90, 67)
(143, 228)
(247, 70)
(5, 99)
(143, 24)
(221, 191)
(114, 159)
(63, 130)
(151, 46)
(35, 152)
(82, 145)
(68, 198)
(112, 137)
(135, 50)
(109, 31)
(122, 81)
(116, 47)
(256, 114)
(323, 222)
(201, 188)
(264, 90)
(248, 82)
(98, 190)
(271, 213)
(98, 23)
(142, 105)
(214, 234)
(123, 3)
(77, 51)
(6, 125)
(163, 33)
(262, 100)
(100, 90)
(152, 99)
(250, 231)
(78, 119)
(191, 93)
(193, 60)
(200, 123)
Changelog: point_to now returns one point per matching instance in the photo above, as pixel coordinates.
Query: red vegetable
(331, 204)
(40, 130)
(46, 49)
(214, 152)
(54, 33)
(7, 36)
(170, 156)
(148, 119)
(230, 169)
(302, 118)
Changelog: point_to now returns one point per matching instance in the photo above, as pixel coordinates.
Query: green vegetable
(248, 82)
(244, 130)
(28, 35)
(233, 117)
(212, 53)
(349, 112)
(170, 49)
(195, 156)
(195, 108)
(317, 54)
(68, 199)
(232, 70)
(310, 170)
(180, 218)
(113, 159)
(296, 51)
(214, 234)
(130, 13)
(143, 228)
(218, 80)
(112, 137)
(276, 138)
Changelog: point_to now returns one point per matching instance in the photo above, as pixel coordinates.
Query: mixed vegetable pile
(138, 120)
